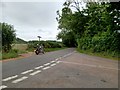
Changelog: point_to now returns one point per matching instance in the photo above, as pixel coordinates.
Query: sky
(32, 19)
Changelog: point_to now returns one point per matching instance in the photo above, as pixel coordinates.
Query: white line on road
(46, 64)
(64, 56)
(39, 67)
(2, 87)
(9, 78)
(28, 71)
(46, 68)
(58, 61)
(20, 79)
(52, 61)
(52, 65)
(68, 54)
(36, 72)
(98, 66)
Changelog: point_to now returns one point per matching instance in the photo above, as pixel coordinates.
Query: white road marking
(39, 67)
(20, 79)
(9, 78)
(36, 72)
(58, 61)
(96, 66)
(68, 54)
(52, 61)
(64, 56)
(46, 68)
(28, 71)
(46, 64)
(2, 87)
(52, 65)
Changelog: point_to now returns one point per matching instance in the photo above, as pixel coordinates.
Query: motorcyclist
(40, 48)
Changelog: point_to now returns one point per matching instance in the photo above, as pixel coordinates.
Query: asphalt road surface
(60, 69)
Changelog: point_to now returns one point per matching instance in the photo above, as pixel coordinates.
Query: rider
(40, 48)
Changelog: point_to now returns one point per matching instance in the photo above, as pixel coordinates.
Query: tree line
(95, 27)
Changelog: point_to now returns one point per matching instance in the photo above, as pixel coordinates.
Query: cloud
(29, 13)
(32, 18)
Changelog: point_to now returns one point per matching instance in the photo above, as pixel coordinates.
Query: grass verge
(9, 55)
(101, 54)
(15, 53)
(12, 54)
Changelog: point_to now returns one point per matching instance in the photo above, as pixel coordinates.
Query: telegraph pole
(39, 38)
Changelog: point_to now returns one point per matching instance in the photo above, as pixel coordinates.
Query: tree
(71, 23)
(93, 28)
(8, 36)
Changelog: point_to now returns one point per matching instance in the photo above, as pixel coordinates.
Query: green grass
(9, 55)
(15, 53)
(12, 54)
(101, 54)
(21, 47)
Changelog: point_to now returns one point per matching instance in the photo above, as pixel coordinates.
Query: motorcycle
(38, 51)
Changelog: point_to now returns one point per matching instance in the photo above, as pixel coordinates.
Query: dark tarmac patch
(103, 80)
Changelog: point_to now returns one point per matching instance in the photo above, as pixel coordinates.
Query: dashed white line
(52, 61)
(46, 68)
(39, 67)
(58, 61)
(2, 87)
(20, 79)
(9, 78)
(36, 72)
(28, 71)
(52, 65)
(46, 64)
(64, 56)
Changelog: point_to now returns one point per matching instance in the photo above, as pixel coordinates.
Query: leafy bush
(10, 54)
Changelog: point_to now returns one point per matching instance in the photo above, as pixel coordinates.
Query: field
(20, 47)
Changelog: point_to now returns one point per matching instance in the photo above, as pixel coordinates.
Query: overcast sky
(32, 19)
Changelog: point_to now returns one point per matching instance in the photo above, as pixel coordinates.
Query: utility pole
(39, 38)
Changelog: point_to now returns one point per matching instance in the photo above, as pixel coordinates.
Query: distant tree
(8, 36)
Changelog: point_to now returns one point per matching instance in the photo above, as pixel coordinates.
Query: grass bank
(12, 54)
(100, 54)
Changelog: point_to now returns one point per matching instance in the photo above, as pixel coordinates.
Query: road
(60, 69)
